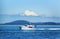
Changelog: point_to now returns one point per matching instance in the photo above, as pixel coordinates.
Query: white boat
(28, 27)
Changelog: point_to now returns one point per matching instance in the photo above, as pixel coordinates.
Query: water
(13, 32)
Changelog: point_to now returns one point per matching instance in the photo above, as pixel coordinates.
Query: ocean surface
(14, 32)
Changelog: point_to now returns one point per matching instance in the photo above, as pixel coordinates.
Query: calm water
(13, 32)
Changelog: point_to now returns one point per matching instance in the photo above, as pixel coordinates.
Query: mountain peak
(17, 22)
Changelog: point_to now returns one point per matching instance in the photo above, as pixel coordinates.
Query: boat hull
(27, 28)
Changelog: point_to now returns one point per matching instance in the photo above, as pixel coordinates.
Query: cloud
(30, 13)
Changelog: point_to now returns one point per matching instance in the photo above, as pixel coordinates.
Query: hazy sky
(48, 8)
(30, 7)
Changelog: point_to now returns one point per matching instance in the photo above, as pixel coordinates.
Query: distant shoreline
(23, 22)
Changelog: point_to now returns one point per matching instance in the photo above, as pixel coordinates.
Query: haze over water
(10, 18)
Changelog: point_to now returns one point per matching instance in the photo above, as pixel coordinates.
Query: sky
(49, 8)
(11, 10)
